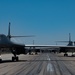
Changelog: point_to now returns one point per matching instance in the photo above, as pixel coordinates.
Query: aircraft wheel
(17, 58)
(0, 60)
(35, 53)
(72, 55)
(65, 54)
(13, 58)
(29, 53)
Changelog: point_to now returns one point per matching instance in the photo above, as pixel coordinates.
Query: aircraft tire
(13, 58)
(65, 54)
(0, 60)
(17, 58)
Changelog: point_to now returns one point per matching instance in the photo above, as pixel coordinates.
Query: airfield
(41, 64)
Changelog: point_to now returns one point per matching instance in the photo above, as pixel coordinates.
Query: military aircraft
(15, 48)
(70, 43)
(62, 48)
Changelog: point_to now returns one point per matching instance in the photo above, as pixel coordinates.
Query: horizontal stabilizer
(22, 36)
(9, 35)
(64, 41)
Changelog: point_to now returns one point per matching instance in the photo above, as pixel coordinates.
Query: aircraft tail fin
(69, 37)
(10, 36)
(66, 41)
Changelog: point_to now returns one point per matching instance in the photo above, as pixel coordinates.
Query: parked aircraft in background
(70, 43)
(69, 48)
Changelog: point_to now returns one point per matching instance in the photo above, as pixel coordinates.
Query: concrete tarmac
(41, 64)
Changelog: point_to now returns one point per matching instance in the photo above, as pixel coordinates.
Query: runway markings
(49, 66)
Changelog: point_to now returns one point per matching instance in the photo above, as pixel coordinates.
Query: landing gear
(65, 54)
(0, 60)
(15, 59)
(72, 54)
(36, 53)
(29, 52)
(0, 55)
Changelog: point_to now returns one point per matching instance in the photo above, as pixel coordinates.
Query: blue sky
(48, 20)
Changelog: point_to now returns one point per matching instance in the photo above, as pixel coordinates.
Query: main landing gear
(65, 54)
(15, 58)
(0, 60)
(36, 53)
